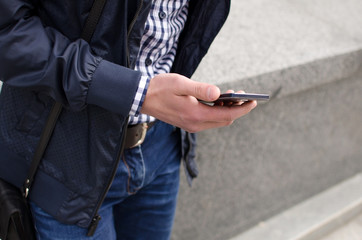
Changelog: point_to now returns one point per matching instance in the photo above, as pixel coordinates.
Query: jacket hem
(46, 192)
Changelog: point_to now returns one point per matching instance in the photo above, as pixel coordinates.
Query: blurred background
(291, 169)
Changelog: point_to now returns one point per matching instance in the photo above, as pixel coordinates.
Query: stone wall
(308, 137)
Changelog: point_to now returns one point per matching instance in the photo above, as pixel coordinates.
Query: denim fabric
(142, 199)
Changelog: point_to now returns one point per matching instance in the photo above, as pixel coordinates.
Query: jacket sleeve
(41, 58)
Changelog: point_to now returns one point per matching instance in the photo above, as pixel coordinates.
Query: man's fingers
(221, 116)
(172, 98)
(206, 125)
(202, 91)
(228, 114)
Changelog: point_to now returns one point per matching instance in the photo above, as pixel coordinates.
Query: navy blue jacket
(42, 59)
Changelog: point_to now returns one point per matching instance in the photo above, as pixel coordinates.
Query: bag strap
(87, 33)
(92, 20)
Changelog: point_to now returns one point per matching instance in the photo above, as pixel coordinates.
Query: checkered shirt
(158, 48)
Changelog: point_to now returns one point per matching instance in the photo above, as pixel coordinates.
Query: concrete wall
(308, 56)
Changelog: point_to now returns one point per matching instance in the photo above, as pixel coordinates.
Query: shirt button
(148, 61)
(162, 14)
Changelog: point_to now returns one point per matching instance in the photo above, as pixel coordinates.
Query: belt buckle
(143, 135)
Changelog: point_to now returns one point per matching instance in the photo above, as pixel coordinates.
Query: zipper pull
(93, 226)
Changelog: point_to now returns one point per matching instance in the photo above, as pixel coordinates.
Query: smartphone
(242, 97)
(231, 98)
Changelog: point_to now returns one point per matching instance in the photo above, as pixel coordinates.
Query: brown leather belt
(136, 134)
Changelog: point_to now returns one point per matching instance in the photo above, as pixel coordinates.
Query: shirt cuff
(140, 96)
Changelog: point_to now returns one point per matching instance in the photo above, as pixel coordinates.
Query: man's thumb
(206, 92)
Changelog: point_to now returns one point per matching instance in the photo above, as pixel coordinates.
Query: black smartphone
(227, 99)
(242, 97)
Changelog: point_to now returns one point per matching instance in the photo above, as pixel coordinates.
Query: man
(86, 184)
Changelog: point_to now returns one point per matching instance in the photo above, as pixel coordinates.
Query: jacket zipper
(96, 218)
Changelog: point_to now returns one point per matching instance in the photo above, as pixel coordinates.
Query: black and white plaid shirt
(158, 48)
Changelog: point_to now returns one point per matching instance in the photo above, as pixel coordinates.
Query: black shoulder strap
(92, 20)
(87, 34)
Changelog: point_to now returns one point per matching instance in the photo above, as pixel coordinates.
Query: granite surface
(351, 231)
(334, 212)
(264, 36)
(308, 56)
(282, 153)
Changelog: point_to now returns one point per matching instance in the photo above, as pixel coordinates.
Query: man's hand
(173, 98)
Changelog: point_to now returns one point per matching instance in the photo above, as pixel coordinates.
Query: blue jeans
(142, 199)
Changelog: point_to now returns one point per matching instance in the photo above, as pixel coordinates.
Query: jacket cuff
(113, 87)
